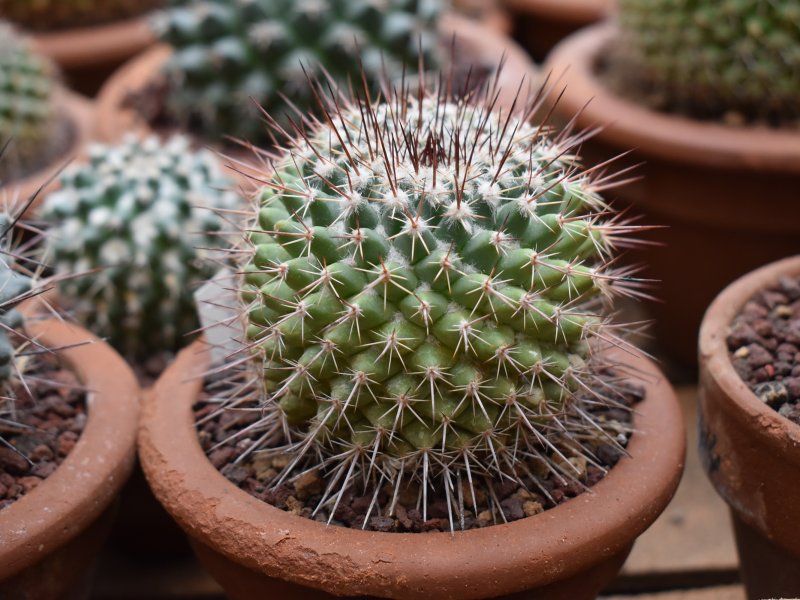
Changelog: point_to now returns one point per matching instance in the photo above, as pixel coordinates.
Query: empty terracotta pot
(77, 113)
(727, 195)
(256, 550)
(541, 24)
(88, 55)
(50, 537)
(750, 452)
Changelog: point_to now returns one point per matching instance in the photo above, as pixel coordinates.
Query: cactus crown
(27, 107)
(139, 218)
(44, 15)
(425, 293)
(713, 57)
(265, 50)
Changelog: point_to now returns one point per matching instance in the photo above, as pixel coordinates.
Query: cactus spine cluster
(46, 15)
(14, 287)
(230, 53)
(28, 112)
(425, 293)
(138, 219)
(716, 56)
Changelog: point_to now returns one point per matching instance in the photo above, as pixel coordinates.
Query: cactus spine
(138, 219)
(716, 56)
(425, 290)
(266, 48)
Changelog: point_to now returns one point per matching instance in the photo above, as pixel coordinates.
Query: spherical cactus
(137, 221)
(14, 287)
(28, 112)
(45, 15)
(716, 56)
(425, 290)
(230, 53)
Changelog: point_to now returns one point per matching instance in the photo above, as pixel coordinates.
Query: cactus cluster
(28, 114)
(229, 54)
(137, 220)
(716, 56)
(47, 15)
(14, 287)
(425, 294)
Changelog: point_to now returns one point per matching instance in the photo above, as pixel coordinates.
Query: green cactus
(425, 289)
(715, 56)
(47, 15)
(28, 115)
(14, 287)
(138, 219)
(230, 53)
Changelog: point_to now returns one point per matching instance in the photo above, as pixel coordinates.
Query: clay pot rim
(99, 44)
(478, 563)
(672, 137)
(61, 507)
(78, 111)
(570, 11)
(113, 119)
(775, 431)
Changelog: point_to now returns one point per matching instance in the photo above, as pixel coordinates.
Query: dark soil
(258, 473)
(764, 345)
(52, 415)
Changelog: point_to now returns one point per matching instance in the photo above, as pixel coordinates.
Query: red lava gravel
(764, 345)
(257, 473)
(52, 412)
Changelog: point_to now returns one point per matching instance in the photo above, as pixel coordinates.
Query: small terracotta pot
(726, 194)
(750, 452)
(541, 24)
(256, 550)
(114, 118)
(78, 112)
(88, 55)
(50, 537)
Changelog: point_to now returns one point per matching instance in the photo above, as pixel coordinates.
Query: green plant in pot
(706, 93)
(40, 123)
(425, 286)
(267, 50)
(58, 496)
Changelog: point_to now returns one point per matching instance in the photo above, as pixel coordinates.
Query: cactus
(14, 287)
(138, 218)
(28, 115)
(228, 53)
(715, 56)
(425, 294)
(47, 15)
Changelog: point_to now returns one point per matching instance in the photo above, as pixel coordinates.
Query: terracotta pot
(256, 550)
(750, 452)
(541, 24)
(78, 112)
(114, 119)
(726, 194)
(88, 55)
(50, 537)
(489, 12)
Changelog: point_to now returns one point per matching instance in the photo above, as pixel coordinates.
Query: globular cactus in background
(138, 221)
(426, 289)
(715, 56)
(230, 53)
(28, 112)
(47, 15)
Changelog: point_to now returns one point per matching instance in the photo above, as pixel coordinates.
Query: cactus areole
(425, 288)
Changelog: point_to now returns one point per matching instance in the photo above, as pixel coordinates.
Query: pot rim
(114, 120)
(653, 133)
(78, 111)
(89, 45)
(569, 11)
(774, 430)
(87, 481)
(477, 563)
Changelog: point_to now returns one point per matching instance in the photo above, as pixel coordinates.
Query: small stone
(531, 508)
(384, 524)
(402, 516)
(42, 452)
(742, 352)
(66, 442)
(13, 462)
(485, 516)
(294, 505)
(791, 412)
(308, 484)
(45, 469)
(758, 356)
(512, 508)
(741, 335)
(221, 456)
(792, 385)
(790, 287)
(782, 311)
(773, 393)
(236, 474)
(29, 483)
